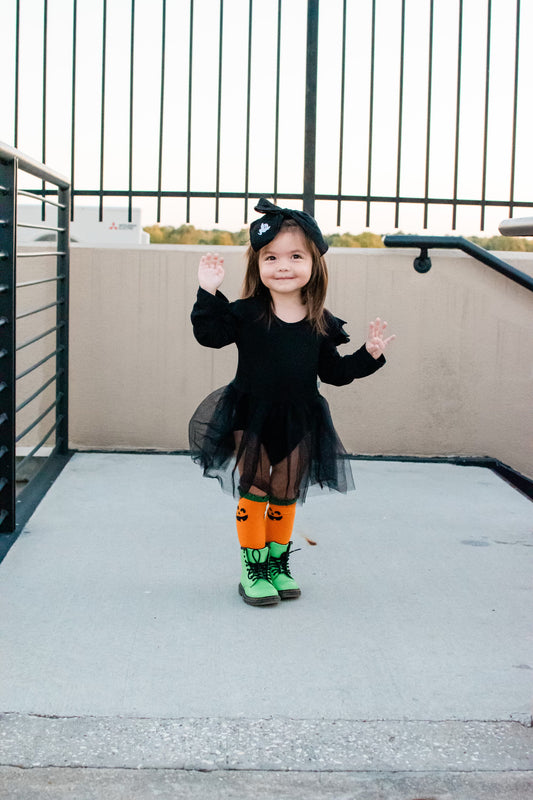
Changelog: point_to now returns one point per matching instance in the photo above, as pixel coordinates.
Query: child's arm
(341, 370)
(213, 323)
(211, 272)
(376, 342)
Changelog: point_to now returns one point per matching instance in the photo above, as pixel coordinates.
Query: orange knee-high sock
(251, 521)
(280, 520)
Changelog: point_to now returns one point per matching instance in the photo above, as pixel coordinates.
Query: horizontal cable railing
(33, 443)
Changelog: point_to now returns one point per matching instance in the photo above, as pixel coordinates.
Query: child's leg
(252, 505)
(279, 525)
(284, 486)
(279, 520)
(255, 586)
(250, 520)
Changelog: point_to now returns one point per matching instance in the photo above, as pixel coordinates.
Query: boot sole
(269, 600)
(289, 594)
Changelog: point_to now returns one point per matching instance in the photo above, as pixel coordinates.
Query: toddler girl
(268, 435)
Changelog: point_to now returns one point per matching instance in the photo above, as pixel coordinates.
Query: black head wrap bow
(264, 229)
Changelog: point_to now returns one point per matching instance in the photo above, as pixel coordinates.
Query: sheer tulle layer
(283, 448)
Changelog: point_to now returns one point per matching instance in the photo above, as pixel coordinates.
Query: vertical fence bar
(457, 113)
(43, 130)
(310, 107)
(341, 125)
(132, 66)
(17, 60)
(102, 109)
(8, 235)
(248, 106)
(515, 107)
(400, 119)
(161, 108)
(428, 115)
(371, 114)
(219, 107)
(486, 119)
(62, 336)
(276, 131)
(73, 105)
(189, 113)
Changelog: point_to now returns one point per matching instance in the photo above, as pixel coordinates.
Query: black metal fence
(416, 107)
(33, 408)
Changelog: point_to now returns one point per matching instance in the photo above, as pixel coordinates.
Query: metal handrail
(16, 507)
(39, 227)
(521, 226)
(38, 310)
(39, 363)
(40, 254)
(423, 263)
(39, 336)
(32, 167)
(41, 198)
(41, 280)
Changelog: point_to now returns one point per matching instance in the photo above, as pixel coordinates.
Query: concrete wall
(459, 379)
(30, 298)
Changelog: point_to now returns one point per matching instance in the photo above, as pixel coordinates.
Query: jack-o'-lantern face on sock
(242, 515)
(275, 516)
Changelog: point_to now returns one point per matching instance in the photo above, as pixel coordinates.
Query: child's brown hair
(313, 293)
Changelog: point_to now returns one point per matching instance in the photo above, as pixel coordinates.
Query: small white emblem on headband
(263, 229)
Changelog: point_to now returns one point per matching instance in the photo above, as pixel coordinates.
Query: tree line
(188, 234)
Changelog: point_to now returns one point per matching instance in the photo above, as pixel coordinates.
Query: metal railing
(16, 506)
(405, 45)
(422, 263)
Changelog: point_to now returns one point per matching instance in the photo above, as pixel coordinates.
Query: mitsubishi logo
(113, 227)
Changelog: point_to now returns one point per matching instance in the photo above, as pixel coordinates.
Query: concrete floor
(120, 616)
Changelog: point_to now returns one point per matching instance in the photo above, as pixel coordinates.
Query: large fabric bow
(264, 229)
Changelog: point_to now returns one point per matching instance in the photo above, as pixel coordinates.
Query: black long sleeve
(213, 323)
(341, 370)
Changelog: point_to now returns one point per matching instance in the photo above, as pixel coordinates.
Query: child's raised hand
(377, 342)
(211, 272)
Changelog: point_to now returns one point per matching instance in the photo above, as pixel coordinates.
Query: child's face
(285, 264)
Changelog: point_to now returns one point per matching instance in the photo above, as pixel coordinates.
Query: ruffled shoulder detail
(335, 330)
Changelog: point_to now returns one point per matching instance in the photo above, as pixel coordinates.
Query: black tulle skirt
(280, 447)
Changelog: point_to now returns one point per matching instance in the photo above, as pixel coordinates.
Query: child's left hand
(376, 342)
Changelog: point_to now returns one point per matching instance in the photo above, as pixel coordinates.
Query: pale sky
(234, 76)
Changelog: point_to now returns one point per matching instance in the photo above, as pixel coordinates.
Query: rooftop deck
(126, 643)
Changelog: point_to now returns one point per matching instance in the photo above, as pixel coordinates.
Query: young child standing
(268, 435)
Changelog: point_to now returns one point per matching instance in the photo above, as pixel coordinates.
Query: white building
(86, 227)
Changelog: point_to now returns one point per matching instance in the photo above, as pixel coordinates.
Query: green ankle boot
(280, 574)
(255, 587)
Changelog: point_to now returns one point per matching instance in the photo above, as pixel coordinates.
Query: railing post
(310, 107)
(62, 346)
(8, 229)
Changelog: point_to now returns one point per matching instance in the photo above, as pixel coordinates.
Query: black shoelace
(279, 565)
(257, 570)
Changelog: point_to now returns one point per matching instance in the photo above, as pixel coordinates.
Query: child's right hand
(211, 272)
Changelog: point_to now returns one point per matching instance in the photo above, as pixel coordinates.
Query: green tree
(365, 239)
(510, 243)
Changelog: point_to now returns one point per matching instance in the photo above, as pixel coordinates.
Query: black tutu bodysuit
(270, 428)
